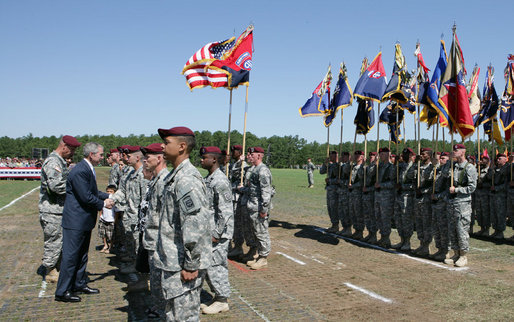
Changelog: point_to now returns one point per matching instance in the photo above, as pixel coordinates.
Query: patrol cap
(359, 152)
(445, 154)
(175, 131)
(113, 151)
(383, 150)
(236, 147)
(154, 148)
(209, 150)
(459, 146)
(426, 150)
(256, 149)
(372, 153)
(132, 148)
(407, 150)
(71, 141)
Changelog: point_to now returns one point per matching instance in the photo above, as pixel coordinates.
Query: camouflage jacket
(442, 179)
(220, 205)
(464, 180)
(426, 177)
(484, 179)
(357, 177)
(501, 178)
(53, 184)
(115, 175)
(131, 193)
(155, 191)
(371, 176)
(258, 189)
(310, 167)
(408, 176)
(184, 240)
(332, 173)
(121, 204)
(235, 177)
(386, 175)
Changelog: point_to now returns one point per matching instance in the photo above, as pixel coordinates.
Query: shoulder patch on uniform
(58, 169)
(189, 204)
(228, 196)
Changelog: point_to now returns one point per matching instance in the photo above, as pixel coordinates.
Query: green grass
(12, 189)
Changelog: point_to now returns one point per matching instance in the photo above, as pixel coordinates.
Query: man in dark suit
(83, 201)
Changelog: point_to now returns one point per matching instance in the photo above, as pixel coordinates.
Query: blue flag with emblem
(372, 83)
(319, 102)
(392, 115)
(432, 92)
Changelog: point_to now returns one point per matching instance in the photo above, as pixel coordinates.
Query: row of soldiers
(186, 222)
(433, 199)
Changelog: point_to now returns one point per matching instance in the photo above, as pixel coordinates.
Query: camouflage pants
(510, 208)
(368, 200)
(260, 233)
(405, 214)
(473, 208)
(52, 239)
(343, 207)
(247, 228)
(440, 224)
(217, 273)
(155, 282)
(459, 217)
(384, 206)
(356, 209)
(498, 203)
(185, 307)
(332, 204)
(310, 178)
(130, 238)
(423, 215)
(238, 237)
(483, 210)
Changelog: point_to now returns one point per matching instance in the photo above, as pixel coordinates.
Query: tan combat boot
(215, 307)
(453, 259)
(250, 256)
(463, 259)
(261, 262)
(52, 276)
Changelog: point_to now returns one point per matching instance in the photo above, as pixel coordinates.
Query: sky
(114, 67)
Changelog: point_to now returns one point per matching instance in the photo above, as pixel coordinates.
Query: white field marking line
(305, 256)
(480, 249)
(43, 289)
(20, 197)
(421, 260)
(28, 285)
(262, 316)
(372, 294)
(291, 258)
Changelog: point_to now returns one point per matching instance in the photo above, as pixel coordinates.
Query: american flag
(195, 71)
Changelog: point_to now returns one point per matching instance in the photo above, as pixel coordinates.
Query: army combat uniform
(115, 175)
(405, 218)
(440, 210)
(368, 200)
(310, 174)
(343, 202)
(221, 210)
(482, 200)
(355, 189)
(184, 241)
(332, 191)
(51, 202)
(235, 180)
(384, 200)
(498, 200)
(423, 208)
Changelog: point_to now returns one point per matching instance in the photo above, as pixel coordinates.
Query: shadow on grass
(493, 240)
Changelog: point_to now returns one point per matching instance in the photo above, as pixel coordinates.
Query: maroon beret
(175, 131)
(383, 150)
(445, 154)
(459, 146)
(256, 149)
(154, 148)
(407, 150)
(393, 155)
(236, 147)
(372, 153)
(501, 155)
(122, 148)
(209, 150)
(438, 153)
(484, 157)
(359, 152)
(472, 157)
(426, 150)
(71, 141)
(113, 151)
(132, 148)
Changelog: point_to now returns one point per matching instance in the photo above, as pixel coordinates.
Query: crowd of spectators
(20, 162)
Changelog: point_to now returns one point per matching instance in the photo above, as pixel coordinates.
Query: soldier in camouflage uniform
(482, 197)
(459, 206)
(406, 191)
(184, 243)
(115, 173)
(330, 168)
(219, 193)
(499, 196)
(384, 196)
(343, 205)
(422, 203)
(130, 195)
(51, 202)
(440, 206)
(245, 213)
(310, 174)
(355, 185)
(510, 208)
(260, 191)
(235, 180)
(368, 198)
(119, 230)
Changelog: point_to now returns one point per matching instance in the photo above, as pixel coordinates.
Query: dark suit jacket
(83, 200)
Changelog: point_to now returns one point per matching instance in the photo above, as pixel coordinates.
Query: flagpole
(353, 152)
(328, 141)
(444, 141)
(341, 138)
(451, 184)
(397, 143)
(494, 157)
(365, 155)
(511, 152)
(229, 123)
(435, 153)
(419, 135)
(404, 134)
(479, 153)
(244, 132)
(378, 135)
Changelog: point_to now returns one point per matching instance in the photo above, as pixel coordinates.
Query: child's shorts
(105, 229)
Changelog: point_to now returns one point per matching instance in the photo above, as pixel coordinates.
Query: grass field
(286, 291)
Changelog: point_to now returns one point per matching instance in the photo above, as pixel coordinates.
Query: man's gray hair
(90, 147)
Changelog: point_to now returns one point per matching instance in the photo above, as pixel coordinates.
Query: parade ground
(311, 275)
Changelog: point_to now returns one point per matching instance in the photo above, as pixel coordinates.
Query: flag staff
(451, 184)
(435, 154)
(229, 123)
(444, 141)
(341, 137)
(328, 141)
(365, 154)
(478, 148)
(353, 152)
(397, 143)
(244, 132)
(378, 135)
(419, 135)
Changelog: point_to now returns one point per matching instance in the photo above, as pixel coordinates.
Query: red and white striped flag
(196, 72)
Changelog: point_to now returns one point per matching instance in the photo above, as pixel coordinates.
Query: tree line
(281, 151)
